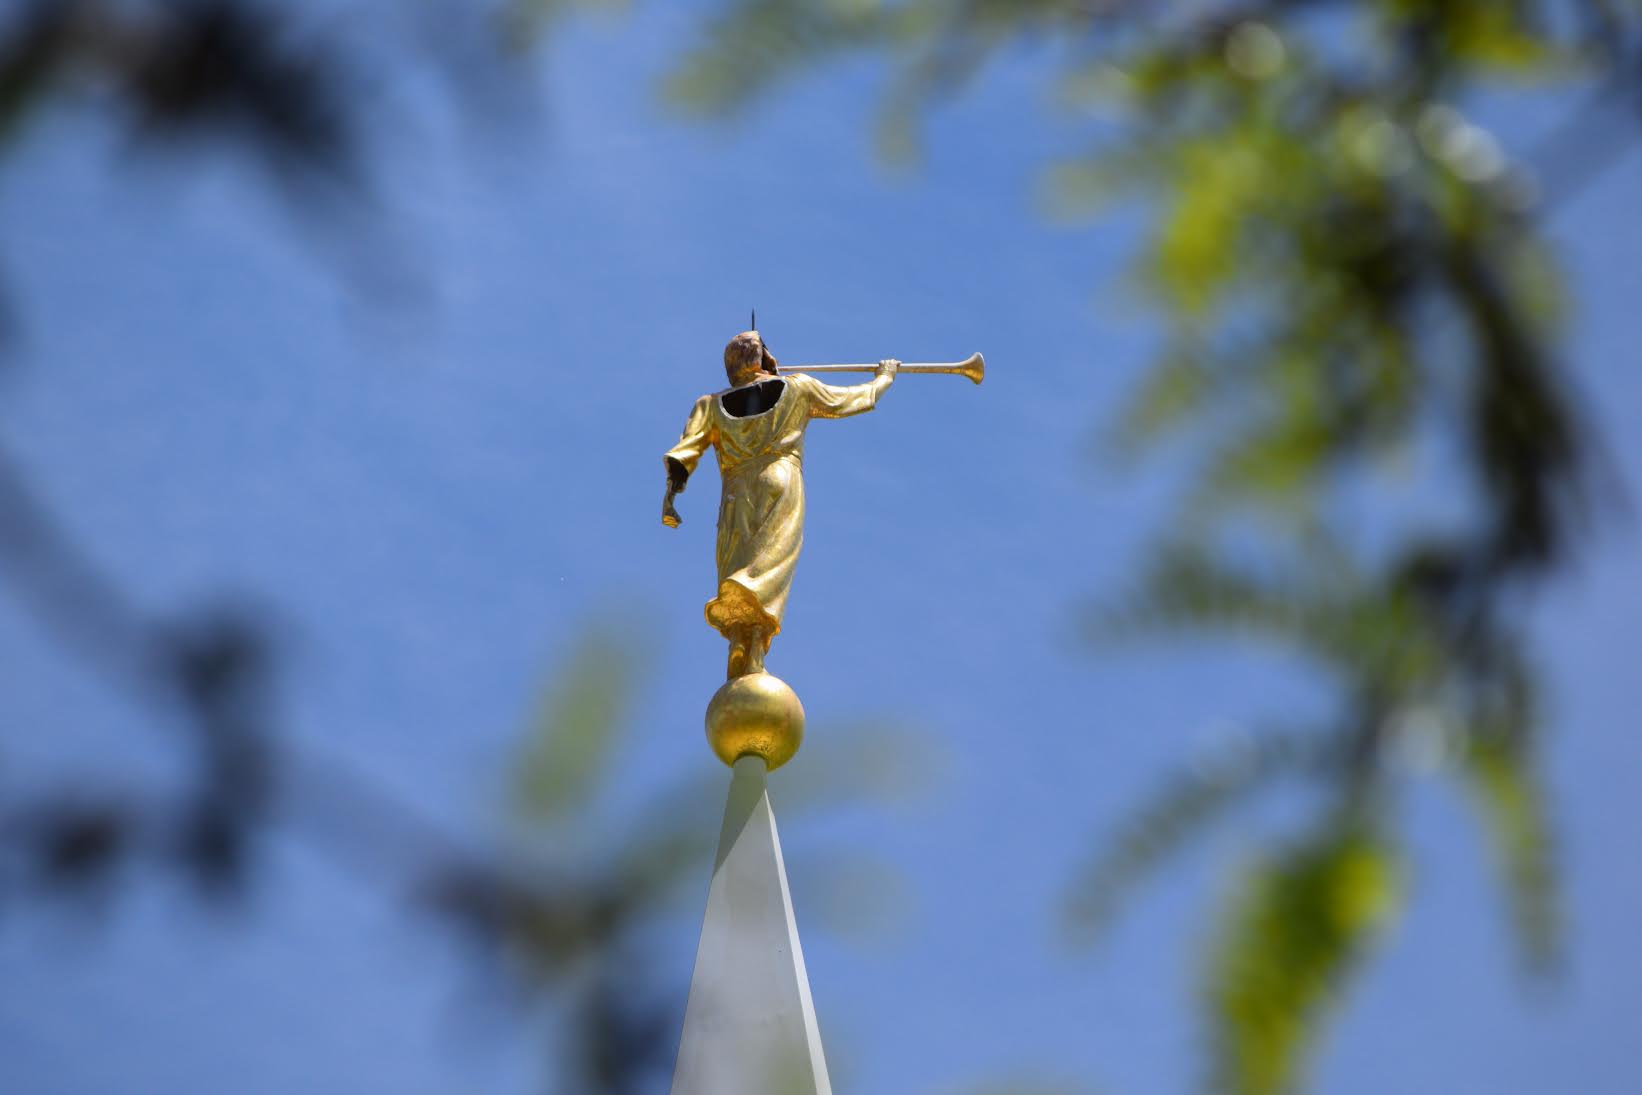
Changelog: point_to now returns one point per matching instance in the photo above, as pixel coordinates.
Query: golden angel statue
(757, 426)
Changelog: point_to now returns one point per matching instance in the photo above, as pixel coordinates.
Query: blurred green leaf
(575, 730)
(28, 68)
(1513, 805)
(1493, 34)
(1500, 769)
(1301, 922)
(753, 44)
(1186, 588)
(1174, 392)
(1350, 275)
(1217, 179)
(1276, 464)
(1179, 810)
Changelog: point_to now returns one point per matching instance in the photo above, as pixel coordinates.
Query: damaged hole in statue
(753, 399)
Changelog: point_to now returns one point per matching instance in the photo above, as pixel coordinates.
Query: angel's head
(747, 359)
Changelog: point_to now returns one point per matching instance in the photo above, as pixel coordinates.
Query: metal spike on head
(753, 326)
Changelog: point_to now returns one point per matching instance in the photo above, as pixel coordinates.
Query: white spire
(749, 1028)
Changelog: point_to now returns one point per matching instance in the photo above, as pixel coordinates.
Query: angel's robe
(760, 463)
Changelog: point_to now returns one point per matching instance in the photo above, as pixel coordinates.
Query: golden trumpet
(973, 366)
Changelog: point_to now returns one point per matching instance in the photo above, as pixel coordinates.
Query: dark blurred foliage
(558, 909)
(1349, 271)
(1354, 285)
(566, 917)
(194, 79)
(226, 70)
(544, 922)
(209, 671)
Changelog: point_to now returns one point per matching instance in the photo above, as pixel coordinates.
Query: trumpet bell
(973, 366)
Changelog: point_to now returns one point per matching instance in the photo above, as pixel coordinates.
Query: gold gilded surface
(755, 715)
(756, 427)
(761, 509)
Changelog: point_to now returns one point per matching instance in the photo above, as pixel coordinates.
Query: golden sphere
(755, 715)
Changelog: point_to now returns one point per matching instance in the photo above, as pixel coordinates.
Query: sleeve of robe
(827, 401)
(697, 435)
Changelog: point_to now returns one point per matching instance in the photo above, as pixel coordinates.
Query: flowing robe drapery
(761, 513)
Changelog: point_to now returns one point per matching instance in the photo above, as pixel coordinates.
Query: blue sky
(435, 499)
